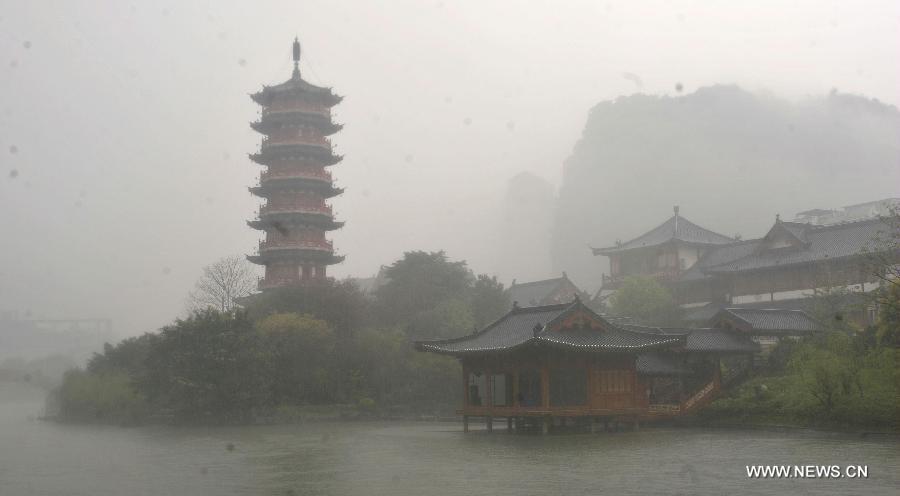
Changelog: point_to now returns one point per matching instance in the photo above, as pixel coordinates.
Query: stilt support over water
(509, 424)
(489, 423)
(465, 423)
(545, 425)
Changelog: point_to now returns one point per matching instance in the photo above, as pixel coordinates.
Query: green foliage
(100, 397)
(420, 281)
(298, 348)
(830, 380)
(646, 301)
(489, 300)
(449, 318)
(208, 366)
(888, 328)
(300, 352)
(340, 303)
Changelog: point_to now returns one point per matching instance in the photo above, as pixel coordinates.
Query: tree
(300, 349)
(883, 253)
(888, 326)
(211, 365)
(646, 301)
(420, 281)
(340, 303)
(489, 300)
(222, 283)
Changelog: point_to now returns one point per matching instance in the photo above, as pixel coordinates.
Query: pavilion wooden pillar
(489, 399)
(545, 398)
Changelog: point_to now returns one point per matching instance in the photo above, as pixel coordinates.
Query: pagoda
(295, 121)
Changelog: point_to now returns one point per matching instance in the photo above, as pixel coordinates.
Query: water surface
(47, 459)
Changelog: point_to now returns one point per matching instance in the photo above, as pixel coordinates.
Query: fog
(124, 126)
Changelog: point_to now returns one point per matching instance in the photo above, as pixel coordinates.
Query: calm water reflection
(412, 459)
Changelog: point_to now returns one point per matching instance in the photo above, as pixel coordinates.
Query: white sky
(126, 123)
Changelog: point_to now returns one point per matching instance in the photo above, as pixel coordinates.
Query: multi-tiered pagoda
(296, 123)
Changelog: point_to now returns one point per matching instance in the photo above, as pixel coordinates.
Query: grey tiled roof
(778, 320)
(655, 363)
(706, 339)
(718, 255)
(533, 293)
(686, 231)
(821, 243)
(539, 292)
(517, 328)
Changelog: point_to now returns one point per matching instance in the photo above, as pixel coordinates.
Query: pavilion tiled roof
(820, 243)
(771, 320)
(712, 340)
(677, 228)
(535, 326)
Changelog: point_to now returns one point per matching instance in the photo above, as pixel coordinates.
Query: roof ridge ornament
(537, 329)
(296, 73)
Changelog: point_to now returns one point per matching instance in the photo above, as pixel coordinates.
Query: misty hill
(730, 158)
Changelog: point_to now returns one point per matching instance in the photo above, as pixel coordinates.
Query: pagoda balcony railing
(297, 107)
(319, 175)
(323, 245)
(311, 209)
(268, 282)
(297, 140)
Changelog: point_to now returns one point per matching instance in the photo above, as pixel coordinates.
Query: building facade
(296, 122)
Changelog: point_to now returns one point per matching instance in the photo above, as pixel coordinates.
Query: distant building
(663, 253)
(296, 122)
(707, 271)
(545, 292)
(766, 326)
(850, 213)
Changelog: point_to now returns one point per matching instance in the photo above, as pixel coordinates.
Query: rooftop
(773, 320)
(549, 325)
(676, 228)
(817, 243)
(539, 292)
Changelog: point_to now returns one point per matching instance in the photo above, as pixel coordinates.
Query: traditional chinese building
(295, 121)
(707, 271)
(565, 364)
(767, 326)
(663, 253)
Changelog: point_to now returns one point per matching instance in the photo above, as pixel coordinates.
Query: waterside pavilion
(565, 364)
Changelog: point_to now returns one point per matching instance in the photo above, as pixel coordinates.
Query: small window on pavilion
(477, 388)
(529, 388)
(568, 387)
(502, 389)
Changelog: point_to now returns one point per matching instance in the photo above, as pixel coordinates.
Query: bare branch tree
(222, 282)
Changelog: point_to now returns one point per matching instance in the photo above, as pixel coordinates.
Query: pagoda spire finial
(296, 57)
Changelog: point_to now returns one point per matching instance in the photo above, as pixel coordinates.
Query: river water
(47, 459)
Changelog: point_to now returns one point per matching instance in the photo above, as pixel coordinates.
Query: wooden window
(615, 381)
